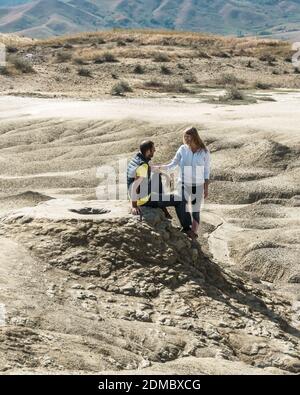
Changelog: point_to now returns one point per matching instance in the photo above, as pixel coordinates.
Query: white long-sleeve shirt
(194, 166)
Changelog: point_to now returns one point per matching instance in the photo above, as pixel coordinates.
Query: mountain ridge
(42, 18)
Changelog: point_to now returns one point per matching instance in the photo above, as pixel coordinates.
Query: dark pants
(192, 195)
(161, 200)
(169, 200)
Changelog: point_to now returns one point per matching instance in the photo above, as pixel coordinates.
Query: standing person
(146, 191)
(193, 159)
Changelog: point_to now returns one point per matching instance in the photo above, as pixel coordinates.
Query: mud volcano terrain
(106, 292)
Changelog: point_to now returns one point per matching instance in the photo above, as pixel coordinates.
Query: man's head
(147, 148)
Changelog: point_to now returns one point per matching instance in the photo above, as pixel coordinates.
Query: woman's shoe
(191, 235)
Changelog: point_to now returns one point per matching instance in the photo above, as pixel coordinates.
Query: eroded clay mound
(110, 292)
(269, 243)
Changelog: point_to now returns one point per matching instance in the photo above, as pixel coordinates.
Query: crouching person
(140, 187)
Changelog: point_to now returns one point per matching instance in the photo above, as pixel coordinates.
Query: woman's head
(192, 139)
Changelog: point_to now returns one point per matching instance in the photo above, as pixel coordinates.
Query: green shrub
(121, 88)
(84, 72)
(203, 55)
(262, 85)
(153, 83)
(228, 79)
(190, 78)
(10, 49)
(176, 87)
(221, 54)
(22, 65)
(161, 57)
(107, 57)
(4, 70)
(233, 93)
(68, 46)
(165, 70)
(268, 58)
(80, 61)
(139, 69)
(63, 56)
(121, 43)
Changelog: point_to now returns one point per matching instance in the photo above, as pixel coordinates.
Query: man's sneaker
(167, 214)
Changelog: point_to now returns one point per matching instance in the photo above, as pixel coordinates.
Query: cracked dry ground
(119, 294)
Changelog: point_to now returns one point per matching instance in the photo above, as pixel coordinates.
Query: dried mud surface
(108, 293)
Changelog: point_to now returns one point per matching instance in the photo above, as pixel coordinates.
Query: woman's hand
(155, 169)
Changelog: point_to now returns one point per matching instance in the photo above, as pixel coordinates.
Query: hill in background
(56, 17)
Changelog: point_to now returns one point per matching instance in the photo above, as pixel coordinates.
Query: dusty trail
(258, 116)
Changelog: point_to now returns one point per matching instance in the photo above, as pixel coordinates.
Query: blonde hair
(193, 132)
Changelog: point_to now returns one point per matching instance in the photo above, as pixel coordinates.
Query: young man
(142, 192)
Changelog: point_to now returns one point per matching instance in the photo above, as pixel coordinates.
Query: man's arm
(141, 174)
(135, 210)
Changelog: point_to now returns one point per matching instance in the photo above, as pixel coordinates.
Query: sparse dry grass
(200, 41)
(192, 58)
(63, 56)
(14, 40)
(153, 83)
(175, 86)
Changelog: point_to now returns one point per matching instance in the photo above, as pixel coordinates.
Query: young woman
(193, 159)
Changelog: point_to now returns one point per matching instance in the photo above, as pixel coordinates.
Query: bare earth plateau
(108, 293)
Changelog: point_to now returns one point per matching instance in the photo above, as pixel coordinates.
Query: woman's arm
(172, 165)
(206, 173)
(207, 165)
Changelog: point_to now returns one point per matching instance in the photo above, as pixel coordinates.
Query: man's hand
(136, 211)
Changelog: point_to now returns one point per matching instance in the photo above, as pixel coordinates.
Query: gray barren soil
(108, 293)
